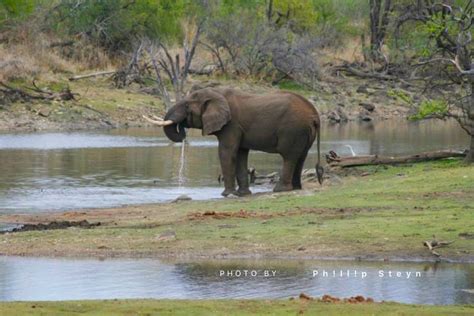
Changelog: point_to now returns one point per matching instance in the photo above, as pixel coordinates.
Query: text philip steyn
(364, 274)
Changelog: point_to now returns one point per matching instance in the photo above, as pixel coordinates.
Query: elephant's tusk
(158, 121)
(157, 118)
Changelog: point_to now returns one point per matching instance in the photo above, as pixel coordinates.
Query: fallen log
(201, 72)
(362, 74)
(433, 244)
(95, 74)
(344, 162)
(38, 94)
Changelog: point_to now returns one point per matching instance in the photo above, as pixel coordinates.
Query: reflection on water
(63, 279)
(57, 171)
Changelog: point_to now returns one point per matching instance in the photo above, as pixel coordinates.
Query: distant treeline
(116, 24)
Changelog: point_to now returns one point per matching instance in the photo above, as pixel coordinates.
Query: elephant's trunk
(176, 131)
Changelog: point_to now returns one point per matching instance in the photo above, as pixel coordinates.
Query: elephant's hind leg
(298, 170)
(285, 184)
(293, 147)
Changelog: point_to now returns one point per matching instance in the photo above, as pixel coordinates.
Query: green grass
(223, 307)
(387, 214)
(291, 85)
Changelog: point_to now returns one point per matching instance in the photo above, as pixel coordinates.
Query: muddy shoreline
(183, 258)
(125, 217)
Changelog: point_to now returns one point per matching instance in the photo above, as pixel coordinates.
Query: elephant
(281, 122)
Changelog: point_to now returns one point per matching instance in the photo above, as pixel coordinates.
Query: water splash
(182, 163)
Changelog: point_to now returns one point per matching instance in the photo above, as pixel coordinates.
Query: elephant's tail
(319, 168)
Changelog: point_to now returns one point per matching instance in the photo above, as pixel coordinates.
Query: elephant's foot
(227, 192)
(297, 186)
(280, 187)
(242, 192)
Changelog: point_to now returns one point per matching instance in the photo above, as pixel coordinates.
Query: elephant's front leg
(242, 172)
(228, 158)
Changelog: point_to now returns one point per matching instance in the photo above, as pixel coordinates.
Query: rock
(313, 98)
(334, 117)
(342, 114)
(304, 296)
(267, 179)
(182, 197)
(411, 112)
(364, 115)
(362, 89)
(368, 106)
(330, 299)
(44, 112)
(308, 172)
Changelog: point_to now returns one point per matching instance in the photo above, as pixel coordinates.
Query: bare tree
(133, 71)
(157, 57)
(257, 48)
(379, 19)
(172, 67)
(297, 59)
(216, 51)
(451, 63)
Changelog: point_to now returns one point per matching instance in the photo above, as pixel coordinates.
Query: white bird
(352, 151)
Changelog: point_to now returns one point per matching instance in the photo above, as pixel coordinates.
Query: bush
(431, 108)
(116, 24)
(252, 46)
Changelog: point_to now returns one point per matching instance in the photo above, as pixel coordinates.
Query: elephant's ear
(216, 113)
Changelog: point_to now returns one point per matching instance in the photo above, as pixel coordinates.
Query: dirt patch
(296, 212)
(455, 194)
(332, 299)
(351, 300)
(466, 235)
(53, 225)
(226, 215)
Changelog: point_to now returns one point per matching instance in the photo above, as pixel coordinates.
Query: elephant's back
(300, 102)
(273, 109)
(300, 108)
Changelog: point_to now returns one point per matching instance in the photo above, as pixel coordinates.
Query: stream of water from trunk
(182, 163)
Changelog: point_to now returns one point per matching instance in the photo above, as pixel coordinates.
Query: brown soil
(332, 299)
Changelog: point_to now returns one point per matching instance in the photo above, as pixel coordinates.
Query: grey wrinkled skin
(282, 122)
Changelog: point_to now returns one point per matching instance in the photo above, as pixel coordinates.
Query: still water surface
(60, 171)
(65, 279)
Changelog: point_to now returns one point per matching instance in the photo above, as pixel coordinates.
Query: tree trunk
(95, 74)
(378, 26)
(470, 155)
(270, 10)
(345, 162)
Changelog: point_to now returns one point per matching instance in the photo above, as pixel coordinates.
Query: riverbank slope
(376, 213)
(97, 104)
